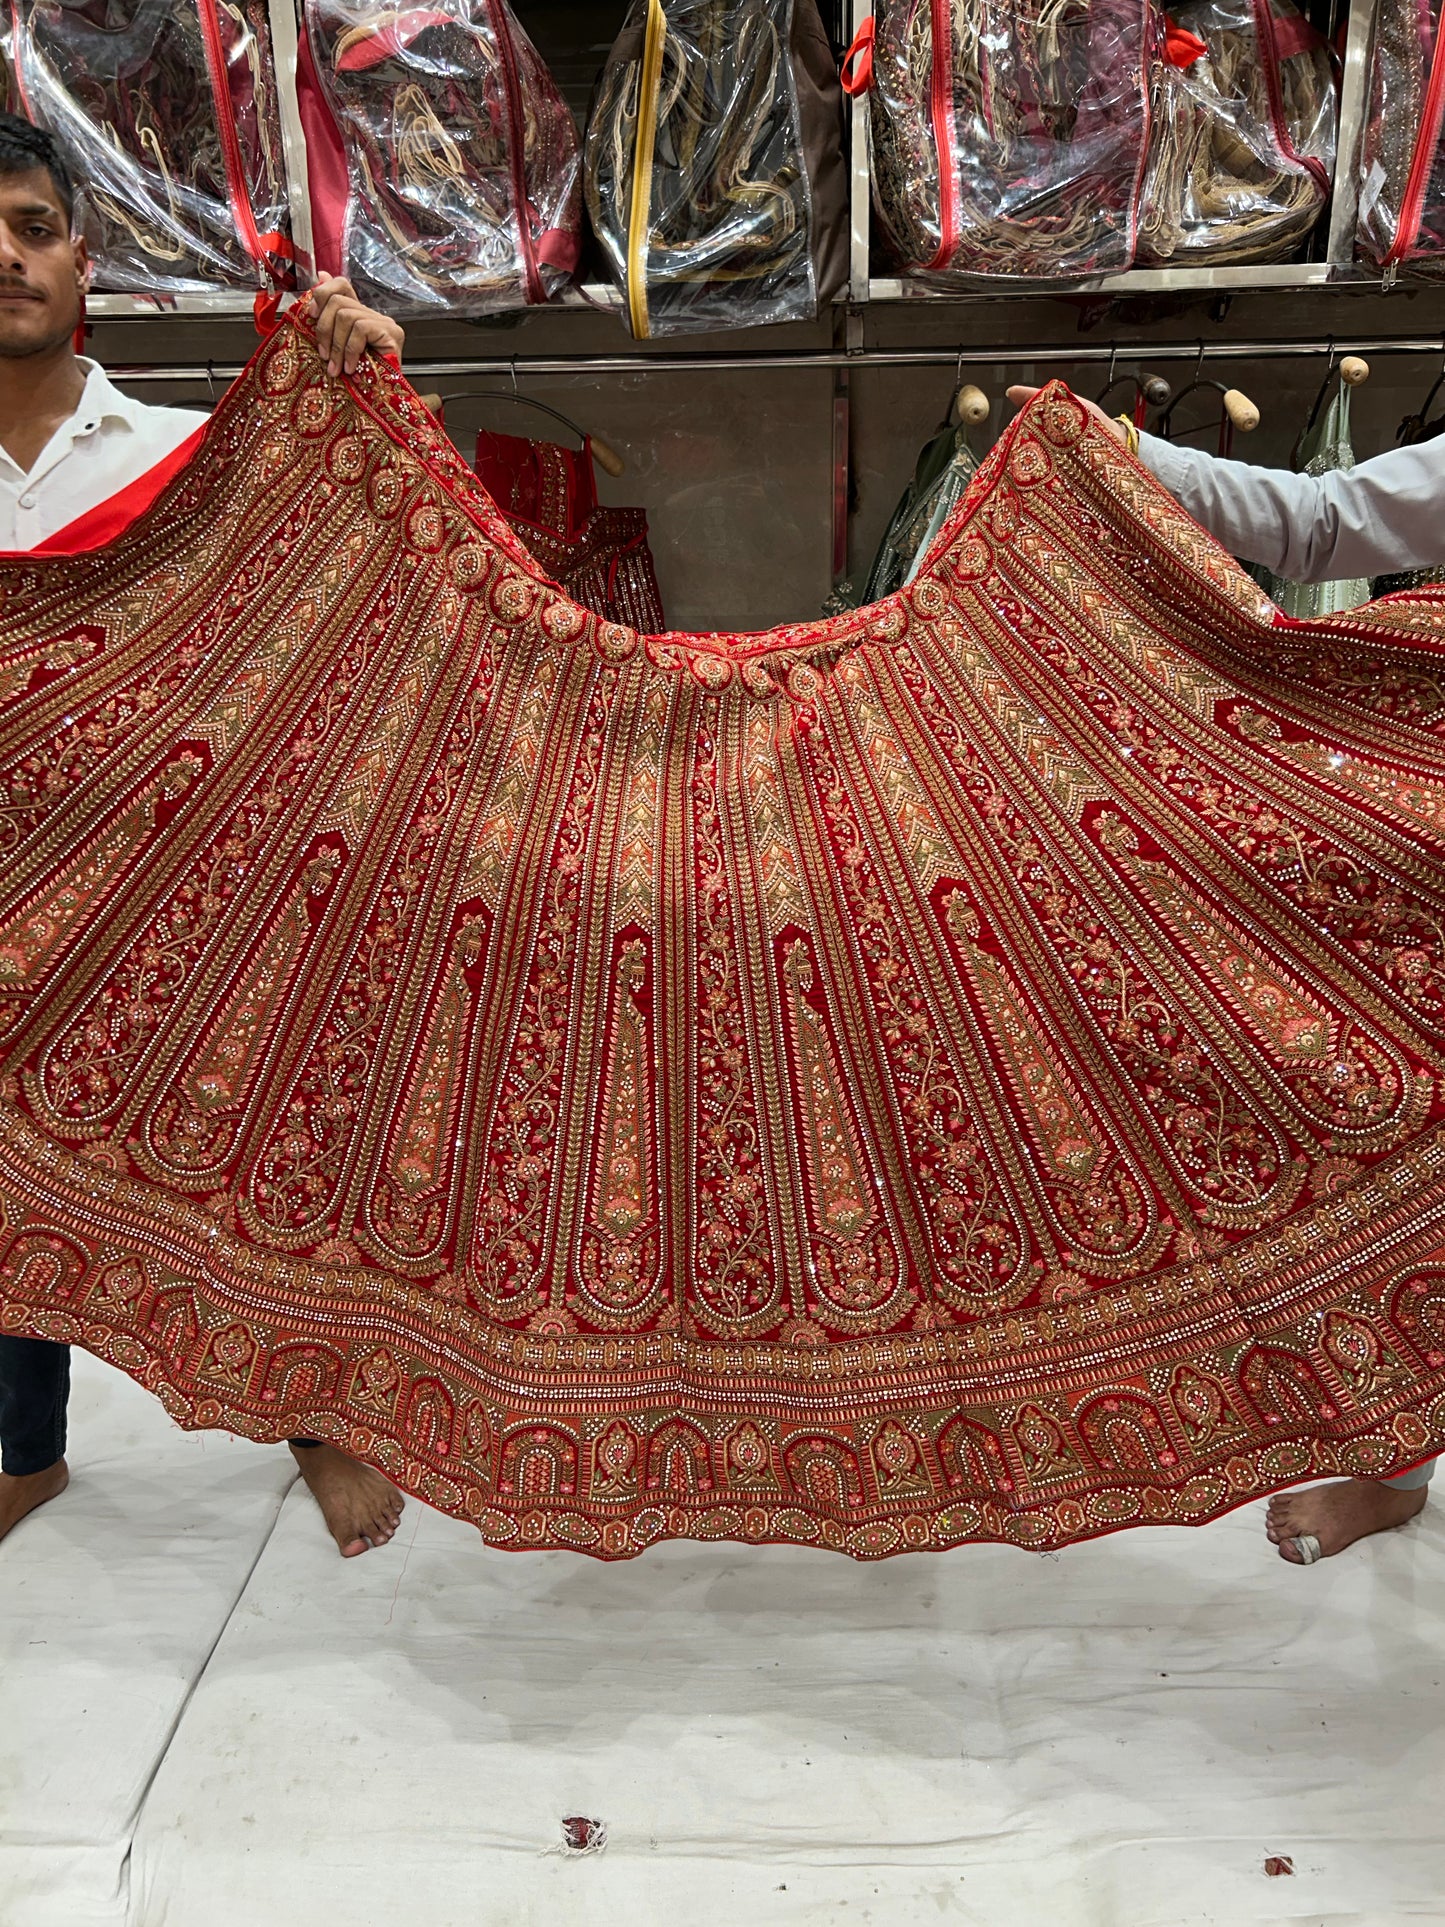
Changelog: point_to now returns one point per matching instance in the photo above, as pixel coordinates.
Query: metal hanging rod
(970, 355)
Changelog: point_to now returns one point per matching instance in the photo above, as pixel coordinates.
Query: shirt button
(27, 501)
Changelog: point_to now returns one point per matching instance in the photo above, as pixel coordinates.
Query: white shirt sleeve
(1384, 515)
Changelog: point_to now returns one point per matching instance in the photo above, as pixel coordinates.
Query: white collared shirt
(1381, 516)
(108, 443)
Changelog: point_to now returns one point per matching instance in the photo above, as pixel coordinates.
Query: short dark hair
(25, 147)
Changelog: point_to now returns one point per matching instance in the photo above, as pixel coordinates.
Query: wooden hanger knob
(971, 405)
(1240, 410)
(1353, 370)
(606, 457)
(432, 403)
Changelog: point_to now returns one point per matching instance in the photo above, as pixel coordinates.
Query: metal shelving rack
(878, 321)
(866, 289)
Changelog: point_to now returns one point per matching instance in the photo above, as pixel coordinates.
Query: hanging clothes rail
(1009, 353)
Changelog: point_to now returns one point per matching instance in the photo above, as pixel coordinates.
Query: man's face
(42, 271)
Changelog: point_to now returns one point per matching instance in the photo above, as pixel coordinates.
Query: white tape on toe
(1308, 1547)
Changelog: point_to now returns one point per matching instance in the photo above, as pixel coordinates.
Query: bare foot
(19, 1496)
(1339, 1514)
(360, 1508)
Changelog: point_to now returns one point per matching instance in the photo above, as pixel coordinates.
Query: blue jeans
(34, 1392)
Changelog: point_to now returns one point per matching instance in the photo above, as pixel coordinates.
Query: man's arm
(1387, 514)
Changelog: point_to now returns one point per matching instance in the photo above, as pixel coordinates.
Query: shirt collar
(101, 401)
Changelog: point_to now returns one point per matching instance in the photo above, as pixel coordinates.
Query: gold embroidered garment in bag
(966, 1069)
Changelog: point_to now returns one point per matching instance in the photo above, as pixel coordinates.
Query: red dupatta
(970, 1068)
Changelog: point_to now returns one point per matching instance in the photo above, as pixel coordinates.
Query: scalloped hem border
(1209, 1491)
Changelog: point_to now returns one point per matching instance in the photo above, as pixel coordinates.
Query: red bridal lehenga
(967, 1069)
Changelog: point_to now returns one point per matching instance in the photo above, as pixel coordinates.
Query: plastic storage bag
(1242, 148)
(166, 110)
(1009, 139)
(1402, 161)
(443, 164)
(714, 164)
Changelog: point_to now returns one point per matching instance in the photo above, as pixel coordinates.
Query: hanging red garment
(600, 556)
(968, 1068)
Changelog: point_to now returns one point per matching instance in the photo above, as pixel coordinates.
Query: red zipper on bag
(1269, 47)
(237, 191)
(941, 108)
(512, 103)
(1146, 118)
(1412, 206)
(16, 41)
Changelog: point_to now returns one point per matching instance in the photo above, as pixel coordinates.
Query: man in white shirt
(68, 442)
(1385, 515)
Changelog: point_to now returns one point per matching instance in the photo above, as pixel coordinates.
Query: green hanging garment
(940, 481)
(1323, 447)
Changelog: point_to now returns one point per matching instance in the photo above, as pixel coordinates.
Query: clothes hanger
(1150, 391)
(1324, 388)
(1238, 412)
(1418, 427)
(603, 453)
(969, 407)
(1351, 370)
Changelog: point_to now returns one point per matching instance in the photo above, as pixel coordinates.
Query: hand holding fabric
(1021, 396)
(346, 327)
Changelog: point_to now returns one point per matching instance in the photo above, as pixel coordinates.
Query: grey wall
(735, 467)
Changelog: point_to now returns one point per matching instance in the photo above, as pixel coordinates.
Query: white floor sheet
(208, 1720)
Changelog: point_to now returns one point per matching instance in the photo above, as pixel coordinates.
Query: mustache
(19, 287)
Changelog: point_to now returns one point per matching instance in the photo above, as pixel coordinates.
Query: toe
(1290, 1551)
(353, 1548)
